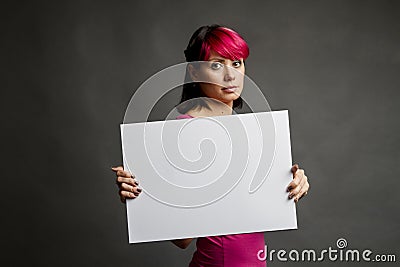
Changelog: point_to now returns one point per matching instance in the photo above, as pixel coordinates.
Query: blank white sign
(209, 176)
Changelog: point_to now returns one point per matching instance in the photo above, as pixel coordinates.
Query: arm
(182, 243)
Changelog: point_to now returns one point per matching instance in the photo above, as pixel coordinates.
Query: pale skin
(226, 84)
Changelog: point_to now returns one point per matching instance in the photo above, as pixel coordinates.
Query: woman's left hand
(299, 186)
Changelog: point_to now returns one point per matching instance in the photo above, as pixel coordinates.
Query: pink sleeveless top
(238, 250)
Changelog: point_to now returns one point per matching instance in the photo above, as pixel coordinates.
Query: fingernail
(136, 183)
(290, 196)
(139, 190)
(288, 189)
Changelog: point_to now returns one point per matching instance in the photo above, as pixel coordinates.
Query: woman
(224, 51)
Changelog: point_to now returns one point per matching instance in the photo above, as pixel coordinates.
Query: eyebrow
(222, 59)
(218, 59)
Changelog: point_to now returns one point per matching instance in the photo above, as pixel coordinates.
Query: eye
(216, 65)
(237, 63)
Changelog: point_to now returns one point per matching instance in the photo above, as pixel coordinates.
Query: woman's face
(225, 78)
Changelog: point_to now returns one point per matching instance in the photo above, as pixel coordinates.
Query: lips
(229, 89)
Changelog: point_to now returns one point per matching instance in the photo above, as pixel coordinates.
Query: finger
(302, 192)
(296, 180)
(294, 169)
(295, 190)
(115, 169)
(125, 174)
(126, 194)
(298, 188)
(129, 181)
(134, 189)
(126, 187)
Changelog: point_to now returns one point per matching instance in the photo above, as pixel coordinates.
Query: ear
(193, 72)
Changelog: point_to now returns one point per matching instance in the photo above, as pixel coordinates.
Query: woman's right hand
(128, 186)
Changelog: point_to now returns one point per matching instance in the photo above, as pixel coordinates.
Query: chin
(234, 98)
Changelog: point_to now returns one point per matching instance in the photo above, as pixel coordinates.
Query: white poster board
(209, 176)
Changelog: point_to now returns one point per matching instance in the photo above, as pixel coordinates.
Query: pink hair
(226, 42)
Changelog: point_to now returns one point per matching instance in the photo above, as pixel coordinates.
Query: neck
(216, 109)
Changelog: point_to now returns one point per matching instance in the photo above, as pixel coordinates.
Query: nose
(228, 74)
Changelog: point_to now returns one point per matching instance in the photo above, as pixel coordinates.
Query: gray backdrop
(70, 68)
